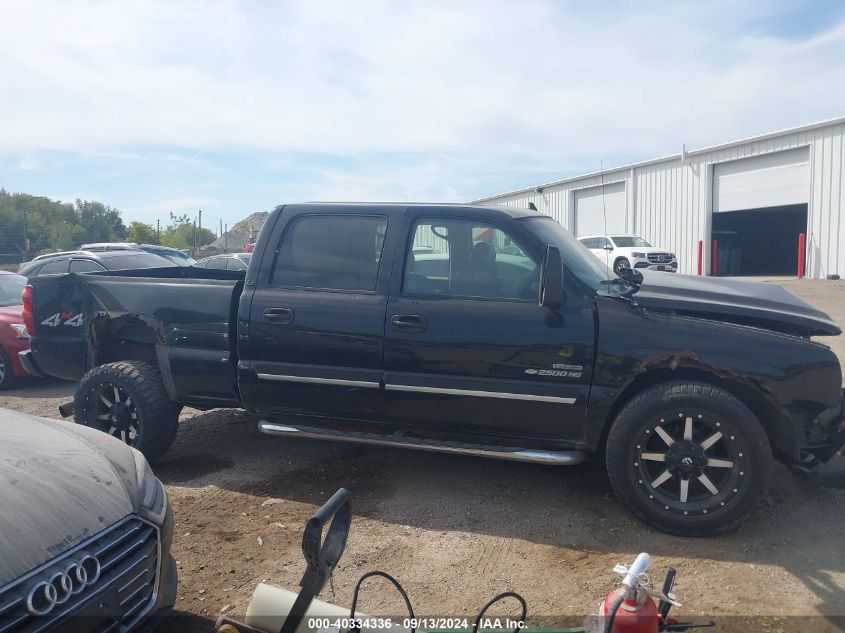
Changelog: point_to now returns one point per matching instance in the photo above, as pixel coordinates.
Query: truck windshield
(577, 260)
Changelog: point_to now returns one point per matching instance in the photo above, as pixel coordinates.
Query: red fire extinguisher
(630, 608)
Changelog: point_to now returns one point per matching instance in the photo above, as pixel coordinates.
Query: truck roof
(398, 207)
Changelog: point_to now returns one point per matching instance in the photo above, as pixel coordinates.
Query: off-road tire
(157, 416)
(7, 374)
(742, 442)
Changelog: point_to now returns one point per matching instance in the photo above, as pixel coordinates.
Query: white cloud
(481, 88)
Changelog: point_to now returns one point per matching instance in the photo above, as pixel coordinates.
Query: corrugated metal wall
(670, 201)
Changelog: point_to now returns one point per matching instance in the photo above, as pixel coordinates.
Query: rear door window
(332, 252)
(56, 266)
(218, 263)
(84, 266)
(236, 263)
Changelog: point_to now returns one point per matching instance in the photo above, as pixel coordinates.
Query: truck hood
(760, 304)
(58, 489)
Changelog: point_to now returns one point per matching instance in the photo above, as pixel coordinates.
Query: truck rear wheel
(128, 400)
(688, 458)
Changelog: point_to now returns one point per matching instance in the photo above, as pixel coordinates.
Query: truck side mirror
(551, 280)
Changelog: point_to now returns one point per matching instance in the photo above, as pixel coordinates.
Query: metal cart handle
(321, 554)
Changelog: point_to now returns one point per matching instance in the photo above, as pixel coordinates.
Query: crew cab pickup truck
(480, 330)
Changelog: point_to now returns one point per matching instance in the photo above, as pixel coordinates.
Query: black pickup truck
(480, 330)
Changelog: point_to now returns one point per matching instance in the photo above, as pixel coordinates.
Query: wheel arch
(776, 424)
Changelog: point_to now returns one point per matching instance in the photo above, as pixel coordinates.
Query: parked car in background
(85, 531)
(515, 342)
(629, 251)
(173, 254)
(92, 261)
(13, 335)
(229, 261)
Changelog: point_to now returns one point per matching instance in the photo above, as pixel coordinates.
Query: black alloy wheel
(114, 413)
(688, 457)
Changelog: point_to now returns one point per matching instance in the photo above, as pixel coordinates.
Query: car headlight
(672, 255)
(20, 330)
(152, 499)
(638, 255)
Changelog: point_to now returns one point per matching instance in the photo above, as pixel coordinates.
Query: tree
(50, 225)
(141, 233)
(180, 233)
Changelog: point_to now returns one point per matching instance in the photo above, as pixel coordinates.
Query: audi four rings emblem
(58, 587)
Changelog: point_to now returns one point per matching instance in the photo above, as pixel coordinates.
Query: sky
(234, 107)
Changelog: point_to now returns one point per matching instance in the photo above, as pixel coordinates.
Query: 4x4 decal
(63, 318)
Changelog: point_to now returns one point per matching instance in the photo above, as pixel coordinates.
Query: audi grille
(111, 578)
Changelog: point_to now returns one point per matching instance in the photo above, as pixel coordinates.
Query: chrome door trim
(338, 382)
(479, 394)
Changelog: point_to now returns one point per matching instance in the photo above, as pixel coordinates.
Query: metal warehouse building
(764, 205)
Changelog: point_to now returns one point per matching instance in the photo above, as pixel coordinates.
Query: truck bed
(180, 318)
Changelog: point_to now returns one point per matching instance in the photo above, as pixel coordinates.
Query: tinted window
(218, 263)
(55, 266)
(591, 242)
(84, 266)
(235, 263)
(470, 259)
(136, 260)
(336, 252)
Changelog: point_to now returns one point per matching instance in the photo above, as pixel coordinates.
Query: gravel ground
(456, 530)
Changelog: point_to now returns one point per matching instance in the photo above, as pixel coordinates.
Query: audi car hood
(58, 487)
(755, 303)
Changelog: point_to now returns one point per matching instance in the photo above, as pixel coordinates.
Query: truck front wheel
(688, 458)
(128, 400)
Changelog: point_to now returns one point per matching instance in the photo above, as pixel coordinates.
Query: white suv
(629, 251)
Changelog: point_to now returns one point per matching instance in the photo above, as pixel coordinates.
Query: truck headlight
(638, 255)
(152, 499)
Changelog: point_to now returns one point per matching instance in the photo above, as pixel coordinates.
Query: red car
(13, 336)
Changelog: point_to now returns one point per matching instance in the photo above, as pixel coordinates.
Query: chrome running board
(555, 458)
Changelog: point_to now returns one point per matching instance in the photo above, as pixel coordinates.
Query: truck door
(316, 320)
(467, 347)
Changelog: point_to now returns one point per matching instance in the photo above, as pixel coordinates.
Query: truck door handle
(282, 316)
(408, 322)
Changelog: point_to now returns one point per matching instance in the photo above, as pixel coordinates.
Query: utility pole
(200, 223)
(158, 231)
(221, 226)
(25, 237)
(226, 238)
(195, 238)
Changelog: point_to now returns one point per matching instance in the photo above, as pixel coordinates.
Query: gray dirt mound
(237, 237)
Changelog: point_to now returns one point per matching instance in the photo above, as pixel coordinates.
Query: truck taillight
(28, 315)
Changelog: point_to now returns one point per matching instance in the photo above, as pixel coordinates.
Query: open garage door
(591, 206)
(759, 209)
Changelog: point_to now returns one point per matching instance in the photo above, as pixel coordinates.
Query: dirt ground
(456, 530)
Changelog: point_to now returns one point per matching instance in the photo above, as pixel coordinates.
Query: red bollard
(714, 256)
(700, 256)
(802, 253)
